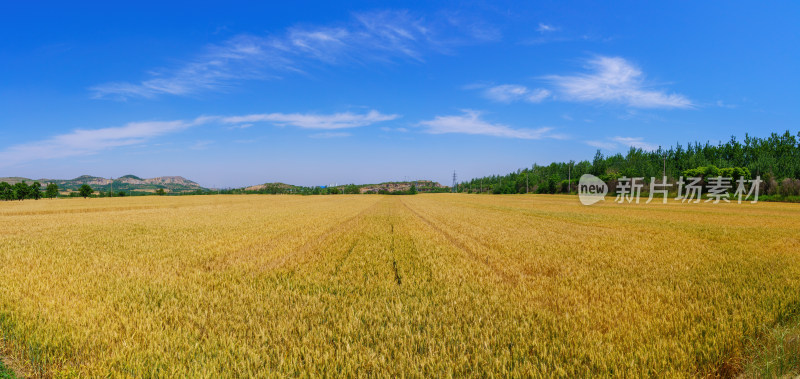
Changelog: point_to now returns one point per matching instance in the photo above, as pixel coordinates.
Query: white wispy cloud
(507, 93)
(537, 95)
(82, 142)
(314, 121)
(616, 142)
(470, 123)
(91, 141)
(544, 28)
(602, 144)
(723, 104)
(615, 80)
(636, 142)
(381, 36)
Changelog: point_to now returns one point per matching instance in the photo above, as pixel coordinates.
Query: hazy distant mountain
(277, 185)
(125, 183)
(421, 185)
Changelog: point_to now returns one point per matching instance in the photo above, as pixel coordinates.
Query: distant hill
(422, 186)
(267, 186)
(15, 179)
(127, 183)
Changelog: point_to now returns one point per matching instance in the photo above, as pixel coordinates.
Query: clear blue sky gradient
(314, 93)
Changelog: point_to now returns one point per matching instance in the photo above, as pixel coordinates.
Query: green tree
(51, 191)
(413, 189)
(21, 191)
(85, 191)
(160, 192)
(36, 191)
(776, 156)
(6, 191)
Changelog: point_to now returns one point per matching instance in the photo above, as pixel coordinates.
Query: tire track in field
(344, 258)
(242, 254)
(341, 228)
(471, 253)
(254, 251)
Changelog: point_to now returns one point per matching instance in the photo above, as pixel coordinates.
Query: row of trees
(22, 191)
(410, 191)
(774, 159)
(350, 189)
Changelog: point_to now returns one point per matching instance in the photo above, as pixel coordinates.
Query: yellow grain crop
(426, 285)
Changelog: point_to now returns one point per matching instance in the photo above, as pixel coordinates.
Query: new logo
(591, 189)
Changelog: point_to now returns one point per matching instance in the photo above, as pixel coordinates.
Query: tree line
(349, 189)
(776, 159)
(22, 191)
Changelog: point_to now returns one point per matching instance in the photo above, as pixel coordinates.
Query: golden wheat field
(357, 285)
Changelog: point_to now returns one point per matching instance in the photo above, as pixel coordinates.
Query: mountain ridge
(128, 183)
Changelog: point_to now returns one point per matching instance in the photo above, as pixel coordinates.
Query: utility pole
(112, 187)
(455, 189)
(569, 178)
(665, 165)
(526, 181)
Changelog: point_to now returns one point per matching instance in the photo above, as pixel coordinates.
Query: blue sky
(316, 93)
